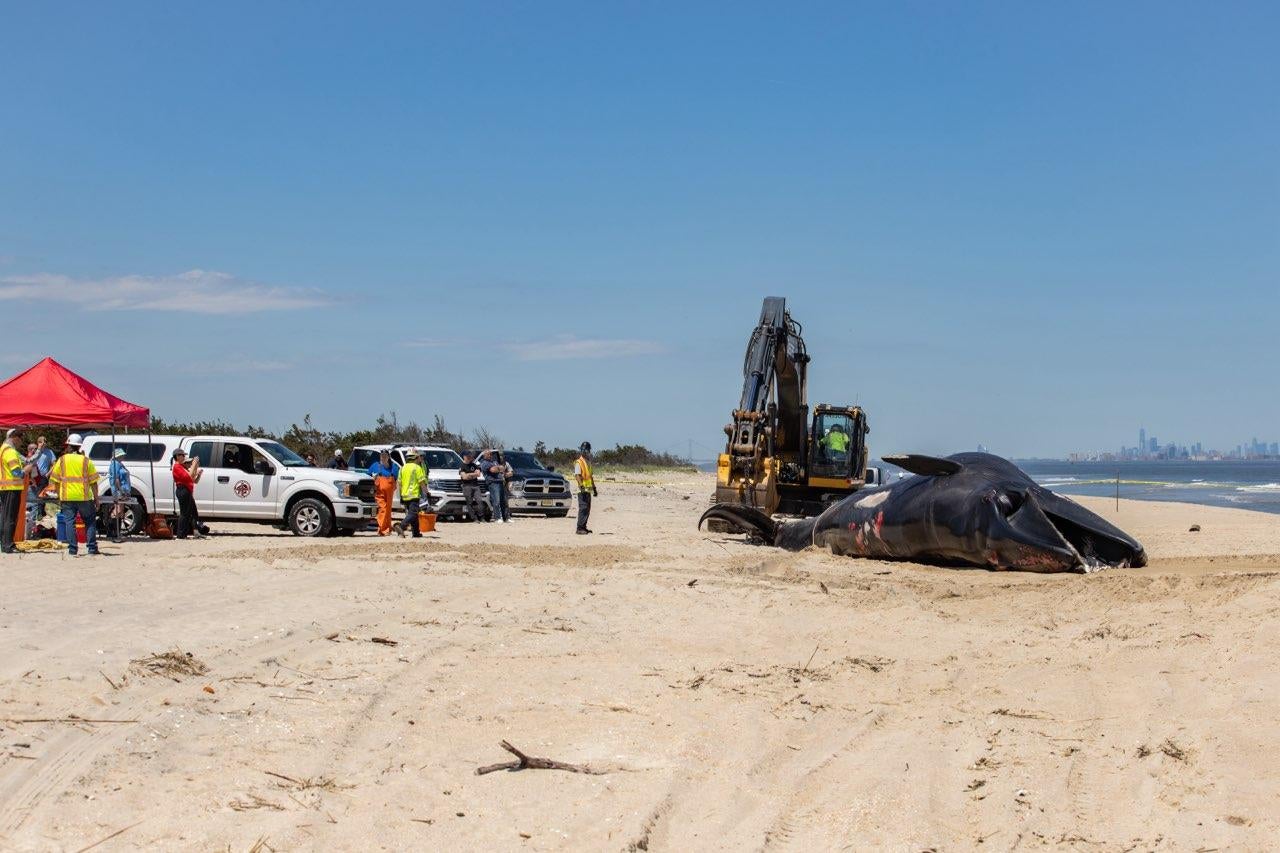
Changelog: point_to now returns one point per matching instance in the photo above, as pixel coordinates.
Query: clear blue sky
(1031, 225)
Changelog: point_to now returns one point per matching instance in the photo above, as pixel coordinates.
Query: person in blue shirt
(41, 458)
(121, 488)
(385, 474)
(495, 477)
(44, 460)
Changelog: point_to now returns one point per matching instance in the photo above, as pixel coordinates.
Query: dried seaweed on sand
(174, 664)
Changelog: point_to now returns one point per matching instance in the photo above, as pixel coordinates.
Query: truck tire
(310, 517)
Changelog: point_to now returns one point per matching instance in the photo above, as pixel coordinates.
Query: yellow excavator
(780, 458)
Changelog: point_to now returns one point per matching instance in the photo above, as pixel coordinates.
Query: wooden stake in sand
(528, 762)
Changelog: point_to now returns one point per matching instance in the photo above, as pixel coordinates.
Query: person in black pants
(586, 486)
(471, 477)
(184, 488)
(11, 487)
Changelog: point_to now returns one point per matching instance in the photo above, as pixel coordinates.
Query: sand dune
(734, 697)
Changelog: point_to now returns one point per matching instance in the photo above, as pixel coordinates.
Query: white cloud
(194, 292)
(565, 347)
(428, 343)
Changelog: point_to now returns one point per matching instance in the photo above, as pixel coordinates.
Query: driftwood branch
(529, 762)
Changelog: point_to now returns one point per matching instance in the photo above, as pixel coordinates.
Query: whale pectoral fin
(928, 466)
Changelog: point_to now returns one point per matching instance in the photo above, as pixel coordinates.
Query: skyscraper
(1142, 440)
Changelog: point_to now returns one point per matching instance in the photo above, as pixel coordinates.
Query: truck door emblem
(242, 489)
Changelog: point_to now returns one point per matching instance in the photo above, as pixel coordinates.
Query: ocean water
(1244, 485)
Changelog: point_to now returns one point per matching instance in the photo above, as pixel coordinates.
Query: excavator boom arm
(768, 460)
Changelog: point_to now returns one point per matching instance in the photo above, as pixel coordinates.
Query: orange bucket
(426, 522)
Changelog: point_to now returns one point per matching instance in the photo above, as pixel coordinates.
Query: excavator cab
(837, 447)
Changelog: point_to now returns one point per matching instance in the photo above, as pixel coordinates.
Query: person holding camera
(184, 491)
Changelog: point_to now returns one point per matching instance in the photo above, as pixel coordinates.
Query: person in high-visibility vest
(75, 481)
(385, 473)
(586, 486)
(11, 485)
(836, 442)
(413, 484)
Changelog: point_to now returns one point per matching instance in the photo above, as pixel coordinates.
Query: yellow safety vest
(837, 441)
(74, 477)
(10, 459)
(412, 478)
(587, 482)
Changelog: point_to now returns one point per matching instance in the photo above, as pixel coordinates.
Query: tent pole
(151, 463)
(116, 497)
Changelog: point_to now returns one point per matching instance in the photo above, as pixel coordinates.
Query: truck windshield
(283, 455)
(439, 460)
(522, 460)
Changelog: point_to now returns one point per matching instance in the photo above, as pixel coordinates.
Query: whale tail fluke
(744, 519)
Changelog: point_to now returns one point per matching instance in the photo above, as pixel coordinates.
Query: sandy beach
(726, 696)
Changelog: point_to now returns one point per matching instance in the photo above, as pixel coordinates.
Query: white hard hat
(75, 440)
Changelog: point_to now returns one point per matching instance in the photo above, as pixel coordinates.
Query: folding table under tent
(49, 394)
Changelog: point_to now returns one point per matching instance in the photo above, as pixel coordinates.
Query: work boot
(399, 529)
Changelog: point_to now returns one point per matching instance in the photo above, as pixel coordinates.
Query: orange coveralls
(384, 489)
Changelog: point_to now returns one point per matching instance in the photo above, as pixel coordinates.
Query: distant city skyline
(1149, 448)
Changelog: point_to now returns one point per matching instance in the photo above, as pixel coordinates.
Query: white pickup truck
(244, 480)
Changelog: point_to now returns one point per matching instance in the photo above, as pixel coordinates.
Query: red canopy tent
(49, 394)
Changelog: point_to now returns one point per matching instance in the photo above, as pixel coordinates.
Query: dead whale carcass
(969, 509)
